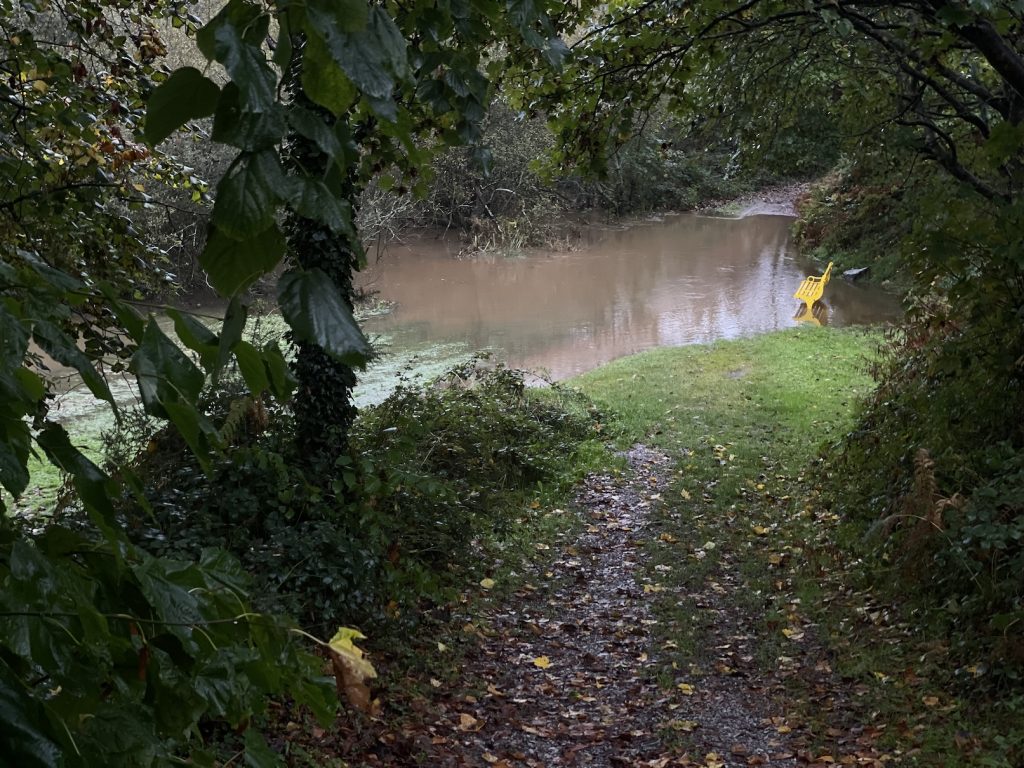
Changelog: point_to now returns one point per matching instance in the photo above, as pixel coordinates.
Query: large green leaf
(197, 337)
(195, 429)
(258, 754)
(234, 37)
(231, 330)
(314, 128)
(250, 365)
(235, 125)
(64, 350)
(323, 80)
(311, 199)
(313, 307)
(164, 372)
(373, 57)
(282, 382)
(90, 481)
(13, 340)
(247, 196)
(24, 740)
(233, 265)
(14, 458)
(185, 95)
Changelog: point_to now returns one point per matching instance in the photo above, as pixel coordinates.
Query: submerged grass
(748, 422)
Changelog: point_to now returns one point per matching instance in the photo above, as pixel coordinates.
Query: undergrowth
(432, 475)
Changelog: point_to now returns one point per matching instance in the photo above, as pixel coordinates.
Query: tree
(108, 655)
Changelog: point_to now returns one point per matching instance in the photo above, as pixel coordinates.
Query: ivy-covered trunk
(323, 406)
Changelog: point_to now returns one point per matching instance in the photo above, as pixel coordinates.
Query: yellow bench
(812, 288)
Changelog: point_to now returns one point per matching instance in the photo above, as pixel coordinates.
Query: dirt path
(565, 671)
(578, 668)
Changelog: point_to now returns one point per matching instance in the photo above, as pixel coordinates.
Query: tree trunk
(323, 406)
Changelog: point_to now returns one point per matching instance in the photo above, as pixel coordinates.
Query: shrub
(430, 473)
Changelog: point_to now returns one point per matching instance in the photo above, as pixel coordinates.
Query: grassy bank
(745, 545)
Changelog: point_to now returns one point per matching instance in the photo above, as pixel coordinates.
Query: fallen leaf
(542, 661)
(351, 669)
(686, 688)
(469, 723)
(487, 583)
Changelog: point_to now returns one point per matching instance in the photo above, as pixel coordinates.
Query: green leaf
(13, 340)
(165, 585)
(258, 754)
(125, 313)
(23, 728)
(251, 131)
(14, 461)
(185, 95)
(234, 38)
(313, 307)
(197, 337)
(231, 330)
(314, 128)
(90, 482)
(374, 57)
(250, 365)
(323, 81)
(64, 350)
(195, 429)
(164, 372)
(282, 382)
(233, 265)
(311, 199)
(247, 196)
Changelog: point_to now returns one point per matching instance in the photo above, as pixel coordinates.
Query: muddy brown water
(681, 280)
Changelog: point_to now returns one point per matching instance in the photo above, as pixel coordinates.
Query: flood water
(682, 280)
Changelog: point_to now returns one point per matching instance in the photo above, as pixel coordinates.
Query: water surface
(682, 280)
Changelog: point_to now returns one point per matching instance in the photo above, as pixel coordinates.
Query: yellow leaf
(793, 634)
(685, 494)
(535, 504)
(668, 538)
(342, 645)
(542, 661)
(351, 669)
(686, 688)
(686, 726)
(442, 647)
(760, 530)
(487, 583)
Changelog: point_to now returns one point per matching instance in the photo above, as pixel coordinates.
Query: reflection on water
(687, 279)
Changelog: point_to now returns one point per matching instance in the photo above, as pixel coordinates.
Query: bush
(935, 470)
(431, 473)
